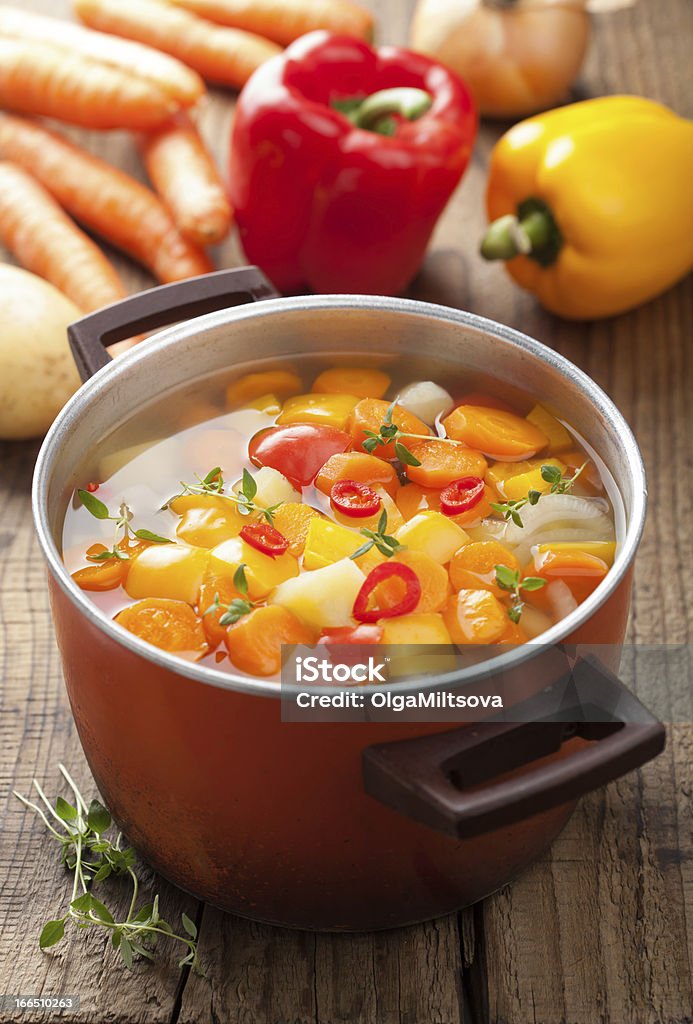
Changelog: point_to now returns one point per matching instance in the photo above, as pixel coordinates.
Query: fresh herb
(510, 510)
(509, 579)
(239, 607)
(384, 542)
(122, 522)
(245, 497)
(81, 831)
(387, 433)
(211, 483)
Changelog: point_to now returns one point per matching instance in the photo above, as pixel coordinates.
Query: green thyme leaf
(51, 933)
(551, 474)
(248, 485)
(532, 583)
(94, 505)
(506, 578)
(239, 579)
(98, 818)
(190, 926)
(64, 810)
(214, 476)
(405, 456)
(235, 611)
(155, 538)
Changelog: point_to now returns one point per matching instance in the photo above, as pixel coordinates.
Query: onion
(426, 400)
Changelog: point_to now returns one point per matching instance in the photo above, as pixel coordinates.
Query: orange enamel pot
(342, 824)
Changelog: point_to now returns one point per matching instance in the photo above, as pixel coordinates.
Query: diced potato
(175, 571)
(520, 484)
(273, 487)
(262, 572)
(324, 598)
(332, 410)
(328, 542)
(434, 534)
(292, 519)
(500, 472)
(558, 436)
(604, 549)
(268, 404)
(425, 399)
(409, 639)
(207, 519)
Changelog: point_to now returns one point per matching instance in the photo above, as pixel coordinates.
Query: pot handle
(157, 307)
(458, 782)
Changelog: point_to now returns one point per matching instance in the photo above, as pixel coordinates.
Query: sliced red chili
(265, 538)
(91, 487)
(375, 577)
(353, 498)
(461, 495)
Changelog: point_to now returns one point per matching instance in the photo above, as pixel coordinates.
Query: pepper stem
(374, 113)
(531, 232)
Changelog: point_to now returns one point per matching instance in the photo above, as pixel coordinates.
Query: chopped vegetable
(323, 598)
(225, 56)
(440, 462)
(365, 612)
(293, 519)
(411, 630)
(206, 519)
(265, 538)
(264, 572)
(334, 410)
(166, 623)
(434, 534)
(299, 450)
(361, 381)
(364, 633)
(253, 385)
(255, 641)
(364, 468)
(354, 499)
(174, 571)
(376, 427)
(473, 567)
(433, 580)
(558, 437)
(461, 495)
(498, 434)
(475, 617)
(328, 542)
(425, 399)
(272, 489)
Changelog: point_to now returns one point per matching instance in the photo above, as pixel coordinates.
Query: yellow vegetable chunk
(175, 571)
(262, 572)
(272, 488)
(207, 519)
(292, 519)
(332, 410)
(328, 542)
(499, 473)
(417, 628)
(346, 380)
(322, 599)
(253, 385)
(475, 617)
(434, 534)
(268, 403)
(558, 437)
(519, 485)
(604, 549)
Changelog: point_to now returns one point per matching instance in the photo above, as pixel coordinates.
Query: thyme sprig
(386, 434)
(509, 579)
(237, 608)
(244, 496)
(385, 543)
(510, 510)
(80, 830)
(122, 521)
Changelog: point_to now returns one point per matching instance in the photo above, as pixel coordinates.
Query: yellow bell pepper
(332, 410)
(591, 204)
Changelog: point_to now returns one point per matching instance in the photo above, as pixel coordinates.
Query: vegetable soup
(360, 501)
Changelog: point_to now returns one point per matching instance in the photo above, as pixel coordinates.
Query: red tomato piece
(354, 498)
(377, 576)
(298, 450)
(265, 538)
(461, 495)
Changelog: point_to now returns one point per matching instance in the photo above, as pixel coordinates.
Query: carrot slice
(496, 433)
(105, 199)
(475, 617)
(39, 78)
(443, 462)
(215, 586)
(184, 174)
(255, 642)
(47, 242)
(253, 385)
(283, 22)
(227, 56)
(359, 466)
(181, 83)
(345, 380)
(292, 519)
(581, 571)
(104, 576)
(370, 413)
(412, 499)
(473, 567)
(167, 624)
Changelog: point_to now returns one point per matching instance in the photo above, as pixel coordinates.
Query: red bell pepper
(342, 159)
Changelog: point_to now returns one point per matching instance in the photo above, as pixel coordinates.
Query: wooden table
(601, 929)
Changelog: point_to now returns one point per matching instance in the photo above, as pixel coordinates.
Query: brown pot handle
(160, 306)
(458, 783)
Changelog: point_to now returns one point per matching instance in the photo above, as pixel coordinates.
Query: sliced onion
(555, 514)
(561, 599)
(425, 399)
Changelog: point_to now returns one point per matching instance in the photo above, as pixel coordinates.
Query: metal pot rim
(164, 340)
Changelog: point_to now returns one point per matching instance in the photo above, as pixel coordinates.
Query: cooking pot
(333, 825)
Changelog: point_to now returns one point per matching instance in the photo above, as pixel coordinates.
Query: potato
(37, 372)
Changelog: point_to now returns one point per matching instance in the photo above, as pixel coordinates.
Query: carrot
(185, 176)
(284, 21)
(473, 567)
(214, 587)
(362, 381)
(433, 579)
(227, 56)
(165, 623)
(292, 519)
(441, 462)
(45, 241)
(254, 385)
(39, 78)
(106, 200)
(496, 433)
(255, 642)
(369, 415)
(413, 499)
(359, 466)
(182, 83)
